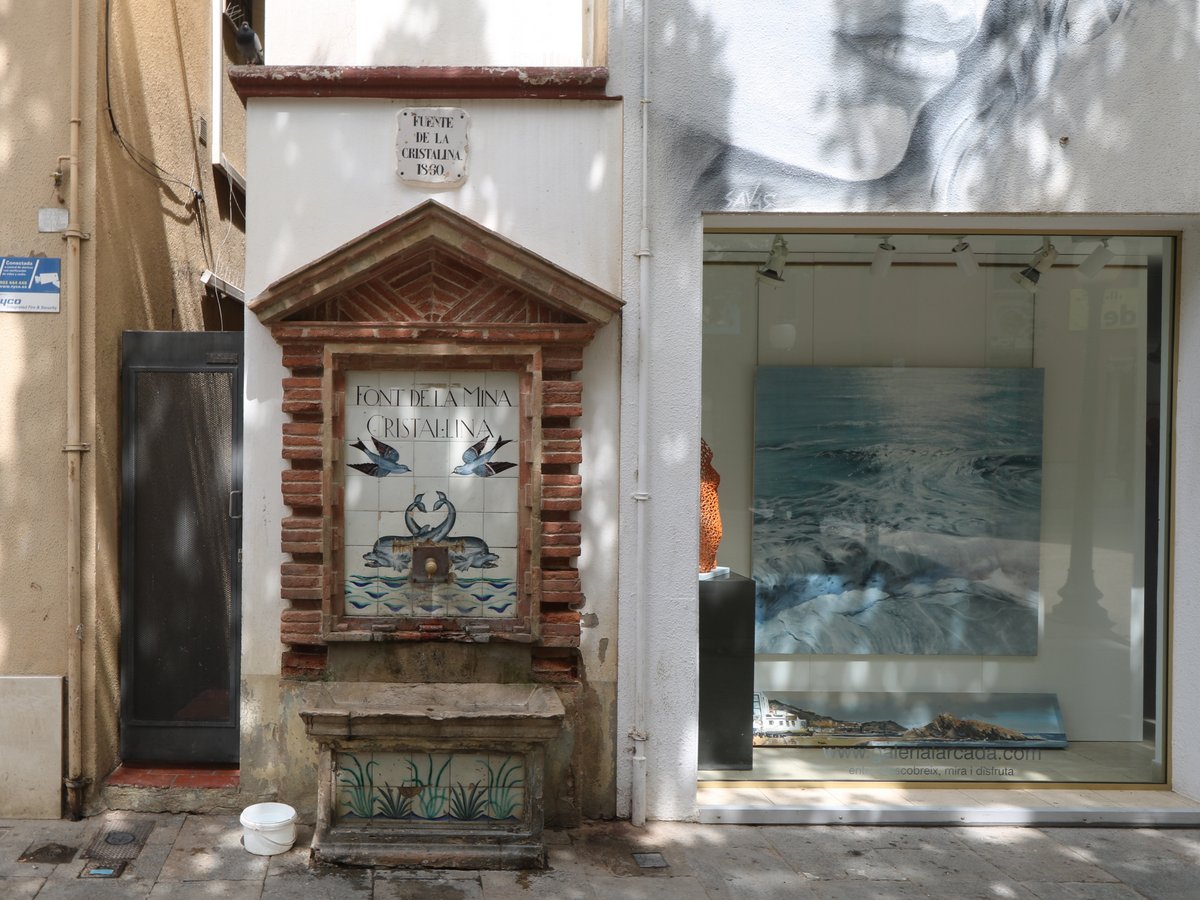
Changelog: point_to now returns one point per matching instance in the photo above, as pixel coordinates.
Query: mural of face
(835, 87)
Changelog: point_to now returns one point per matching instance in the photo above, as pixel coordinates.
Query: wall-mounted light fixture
(221, 286)
(964, 258)
(772, 269)
(1096, 260)
(885, 252)
(1040, 264)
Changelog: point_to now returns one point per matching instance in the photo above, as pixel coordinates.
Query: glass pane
(944, 471)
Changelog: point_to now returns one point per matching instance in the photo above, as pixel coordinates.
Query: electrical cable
(168, 181)
(141, 160)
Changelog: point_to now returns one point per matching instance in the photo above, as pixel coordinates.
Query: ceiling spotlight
(964, 258)
(772, 269)
(1097, 260)
(1040, 264)
(884, 254)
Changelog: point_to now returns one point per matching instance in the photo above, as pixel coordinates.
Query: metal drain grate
(104, 869)
(119, 841)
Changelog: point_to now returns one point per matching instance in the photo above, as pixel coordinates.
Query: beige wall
(34, 93)
(149, 241)
(153, 240)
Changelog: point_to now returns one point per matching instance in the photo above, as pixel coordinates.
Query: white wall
(424, 33)
(1184, 661)
(321, 172)
(1115, 99)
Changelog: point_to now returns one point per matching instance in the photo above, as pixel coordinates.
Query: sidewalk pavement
(193, 856)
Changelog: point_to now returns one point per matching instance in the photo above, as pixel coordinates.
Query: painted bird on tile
(385, 462)
(476, 462)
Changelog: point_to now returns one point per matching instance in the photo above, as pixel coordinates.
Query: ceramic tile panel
(422, 449)
(418, 786)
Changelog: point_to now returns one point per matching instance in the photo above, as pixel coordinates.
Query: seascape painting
(828, 719)
(897, 511)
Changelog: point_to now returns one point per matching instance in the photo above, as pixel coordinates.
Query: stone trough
(432, 775)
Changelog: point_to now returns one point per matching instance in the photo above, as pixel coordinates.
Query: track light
(964, 258)
(1097, 260)
(1040, 264)
(884, 254)
(772, 269)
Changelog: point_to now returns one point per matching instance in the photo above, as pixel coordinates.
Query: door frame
(175, 351)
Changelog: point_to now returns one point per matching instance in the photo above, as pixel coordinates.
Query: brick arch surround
(433, 289)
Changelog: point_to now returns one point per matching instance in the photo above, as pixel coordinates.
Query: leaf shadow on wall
(935, 104)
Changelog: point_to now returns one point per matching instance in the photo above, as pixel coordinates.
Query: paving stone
(326, 883)
(933, 855)
(866, 890)
(148, 864)
(20, 888)
(428, 885)
(1092, 890)
(530, 883)
(999, 889)
(1030, 854)
(199, 864)
(682, 888)
(210, 833)
(1181, 842)
(595, 862)
(1160, 879)
(94, 889)
(166, 826)
(18, 839)
(1097, 846)
(743, 872)
(10, 868)
(835, 852)
(600, 856)
(207, 890)
(299, 858)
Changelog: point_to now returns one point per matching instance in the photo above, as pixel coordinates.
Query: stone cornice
(423, 82)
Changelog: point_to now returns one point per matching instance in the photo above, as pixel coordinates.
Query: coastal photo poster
(897, 510)
(878, 719)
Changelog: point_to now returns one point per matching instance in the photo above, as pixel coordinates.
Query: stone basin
(371, 709)
(432, 775)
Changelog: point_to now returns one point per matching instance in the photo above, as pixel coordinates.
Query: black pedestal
(726, 673)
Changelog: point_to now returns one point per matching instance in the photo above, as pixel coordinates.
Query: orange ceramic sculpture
(710, 510)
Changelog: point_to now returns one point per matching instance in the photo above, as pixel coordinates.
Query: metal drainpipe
(641, 495)
(74, 448)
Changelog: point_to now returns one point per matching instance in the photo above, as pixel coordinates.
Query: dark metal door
(181, 430)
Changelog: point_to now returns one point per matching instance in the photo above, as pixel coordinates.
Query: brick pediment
(434, 265)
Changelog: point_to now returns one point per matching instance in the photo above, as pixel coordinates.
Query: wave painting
(897, 511)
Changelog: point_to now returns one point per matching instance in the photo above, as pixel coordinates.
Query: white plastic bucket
(268, 828)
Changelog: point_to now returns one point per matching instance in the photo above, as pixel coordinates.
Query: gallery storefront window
(945, 471)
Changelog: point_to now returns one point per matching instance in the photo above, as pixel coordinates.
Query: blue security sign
(29, 284)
